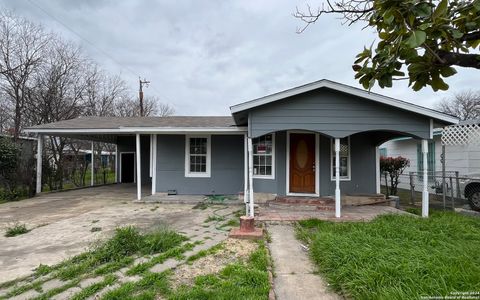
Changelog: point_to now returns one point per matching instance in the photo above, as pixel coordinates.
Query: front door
(302, 163)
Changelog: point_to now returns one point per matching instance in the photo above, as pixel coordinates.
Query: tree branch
(460, 59)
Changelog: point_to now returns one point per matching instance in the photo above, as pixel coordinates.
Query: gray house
(319, 139)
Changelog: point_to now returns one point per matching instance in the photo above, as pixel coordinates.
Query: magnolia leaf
(437, 83)
(417, 38)
(448, 71)
(441, 9)
(423, 10)
(456, 34)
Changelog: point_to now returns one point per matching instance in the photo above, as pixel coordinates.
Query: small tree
(393, 167)
(9, 161)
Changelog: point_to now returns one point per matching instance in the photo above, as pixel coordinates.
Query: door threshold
(303, 194)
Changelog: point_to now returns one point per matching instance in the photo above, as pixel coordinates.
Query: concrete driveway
(61, 224)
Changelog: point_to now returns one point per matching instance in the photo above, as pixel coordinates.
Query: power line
(91, 44)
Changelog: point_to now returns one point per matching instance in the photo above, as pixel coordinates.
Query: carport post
(154, 164)
(39, 163)
(250, 177)
(139, 169)
(92, 182)
(245, 174)
(337, 179)
(425, 179)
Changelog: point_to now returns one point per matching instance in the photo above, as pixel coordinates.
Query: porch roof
(240, 109)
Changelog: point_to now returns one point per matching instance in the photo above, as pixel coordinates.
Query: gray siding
(363, 178)
(334, 114)
(227, 167)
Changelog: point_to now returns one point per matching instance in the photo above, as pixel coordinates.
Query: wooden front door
(302, 163)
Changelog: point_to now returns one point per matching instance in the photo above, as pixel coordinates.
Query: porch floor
(349, 213)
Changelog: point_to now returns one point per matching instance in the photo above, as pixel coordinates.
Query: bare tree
(22, 46)
(464, 105)
(129, 107)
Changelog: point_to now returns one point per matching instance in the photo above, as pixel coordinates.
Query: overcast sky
(204, 56)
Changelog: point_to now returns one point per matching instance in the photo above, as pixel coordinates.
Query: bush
(17, 229)
(9, 161)
(394, 167)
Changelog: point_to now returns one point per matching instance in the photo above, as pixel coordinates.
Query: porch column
(425, 179)
(139, 168)
(39, 163)
(250, 177)
(245, 174)
(92, 172)
(337, 179)
(377, 170)
(154, 164)
(116, 163)
(151, 156)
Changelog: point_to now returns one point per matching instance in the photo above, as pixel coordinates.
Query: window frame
(349, 161)
(207, 172)
(272, 176)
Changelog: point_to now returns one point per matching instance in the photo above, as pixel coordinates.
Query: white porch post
(139, 168)
(337, 179)
(245, 174)
(92, 172)
(39, 163)
(116, 163)
(425, 179)
(151, 156)
(377, 169)
(250, 177)
(154, 164)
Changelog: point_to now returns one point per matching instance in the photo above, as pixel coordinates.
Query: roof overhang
(135, 130)
(348, 90)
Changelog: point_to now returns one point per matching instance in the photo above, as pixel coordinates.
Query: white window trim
(273, 161)
(205, 174)
(332, 175)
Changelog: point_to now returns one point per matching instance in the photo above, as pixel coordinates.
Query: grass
(203, 253)
(397, 256)
(236, 281)
(94, 288)
(214, 218)
(148, 287)
(16, 229)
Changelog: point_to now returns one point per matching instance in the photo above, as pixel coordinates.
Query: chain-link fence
(453, 190)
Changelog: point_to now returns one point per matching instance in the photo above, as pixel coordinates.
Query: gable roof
(324, 83)
(132, 124)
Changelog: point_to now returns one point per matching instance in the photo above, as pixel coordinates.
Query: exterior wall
(128, 144)
(334, 114)
(362, 168)
(227, 166)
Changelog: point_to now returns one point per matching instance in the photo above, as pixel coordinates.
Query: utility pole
(140, 92)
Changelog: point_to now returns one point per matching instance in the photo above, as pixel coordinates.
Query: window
(263, 156)
(430, 161)
(344, 158)
(383, 152)
(197, 156)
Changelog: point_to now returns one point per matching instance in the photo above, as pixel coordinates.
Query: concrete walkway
(294, 278)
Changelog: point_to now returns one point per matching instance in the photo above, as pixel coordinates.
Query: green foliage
(214, 218)
(94, 288)
(235, 281)
(397, 256)
(394, 167)
(426, 36)
(9, 162)
(16, 229)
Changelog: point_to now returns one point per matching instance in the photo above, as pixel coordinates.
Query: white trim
(245, 173)
(345, 89)
(134, 166)
(207, 172)
(92, 167)
(154, 164)
(317, 165)
(338, 197)
(349, 177)
(166, 130)
(138, 148)
(39, 163)
(377, 169)
(431, 129)
(251, 207)
(272, 176)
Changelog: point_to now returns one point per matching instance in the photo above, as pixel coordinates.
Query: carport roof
(138, 124)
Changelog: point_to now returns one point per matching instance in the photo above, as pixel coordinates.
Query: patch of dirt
(233, 250)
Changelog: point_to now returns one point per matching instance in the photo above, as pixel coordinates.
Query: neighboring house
(464, 159)
(286, 143)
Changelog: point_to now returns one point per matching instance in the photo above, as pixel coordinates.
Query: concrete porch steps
(302, 203)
